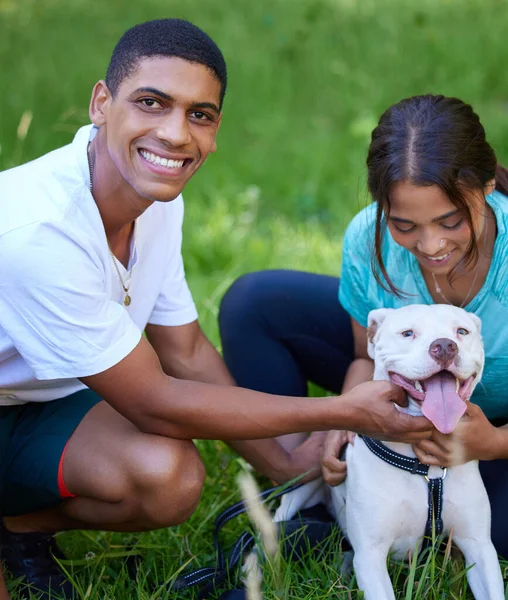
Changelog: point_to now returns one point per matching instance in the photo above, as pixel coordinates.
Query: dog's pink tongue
(442, 405)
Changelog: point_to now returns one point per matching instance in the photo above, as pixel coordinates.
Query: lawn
(308, 80)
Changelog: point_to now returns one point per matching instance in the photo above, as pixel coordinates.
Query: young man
(96, 420)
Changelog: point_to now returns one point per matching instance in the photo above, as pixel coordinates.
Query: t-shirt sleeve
(356, 272)
(174, 305)
(54, 305)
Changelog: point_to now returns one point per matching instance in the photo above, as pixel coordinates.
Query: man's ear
(374, 322)
(101, 97)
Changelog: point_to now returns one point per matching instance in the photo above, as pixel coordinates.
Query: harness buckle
(445, 471)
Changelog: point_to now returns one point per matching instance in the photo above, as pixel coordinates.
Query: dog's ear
(374, 322)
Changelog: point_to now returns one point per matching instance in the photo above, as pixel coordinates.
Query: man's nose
(443, 351)
(174, 129)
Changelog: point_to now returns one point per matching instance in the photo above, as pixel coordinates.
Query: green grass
(308, 80)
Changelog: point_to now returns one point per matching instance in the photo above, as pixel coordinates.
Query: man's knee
(169, 478)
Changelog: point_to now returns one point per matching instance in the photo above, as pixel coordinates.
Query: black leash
(213, 577)
(415, 467)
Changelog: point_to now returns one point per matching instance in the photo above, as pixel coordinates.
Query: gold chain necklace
(127, 300)
(466, 299)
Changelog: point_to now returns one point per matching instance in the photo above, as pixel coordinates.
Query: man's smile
(166, 165)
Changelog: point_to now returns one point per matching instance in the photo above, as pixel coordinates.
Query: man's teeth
(159, 160)
(418, 386)
(438, 258)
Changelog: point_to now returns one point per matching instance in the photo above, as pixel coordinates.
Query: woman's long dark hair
(430, 140)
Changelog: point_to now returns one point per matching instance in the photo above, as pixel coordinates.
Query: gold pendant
(127, 300)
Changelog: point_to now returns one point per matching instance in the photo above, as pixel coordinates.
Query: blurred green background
(308, 80)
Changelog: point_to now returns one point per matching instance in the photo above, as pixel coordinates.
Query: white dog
(436, 354)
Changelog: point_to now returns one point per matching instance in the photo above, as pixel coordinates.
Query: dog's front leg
(484, 573)
(371, 573)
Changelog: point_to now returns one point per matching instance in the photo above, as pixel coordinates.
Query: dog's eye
(462, 331)
(408, 333)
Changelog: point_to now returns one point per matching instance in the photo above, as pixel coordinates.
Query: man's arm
(186, 353)
(139, 389)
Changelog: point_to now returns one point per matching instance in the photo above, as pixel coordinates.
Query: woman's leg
(495, 477)
(281, 329)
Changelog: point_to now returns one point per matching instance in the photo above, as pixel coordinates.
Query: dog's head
(434, 352)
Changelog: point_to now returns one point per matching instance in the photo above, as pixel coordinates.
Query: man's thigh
(34, 438)
(108, 458)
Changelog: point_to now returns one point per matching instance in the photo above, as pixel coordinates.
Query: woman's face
(425, 221)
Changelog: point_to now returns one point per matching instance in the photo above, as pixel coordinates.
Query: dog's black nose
(443, 351)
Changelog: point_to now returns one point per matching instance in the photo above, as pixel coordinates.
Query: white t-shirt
(61, 302)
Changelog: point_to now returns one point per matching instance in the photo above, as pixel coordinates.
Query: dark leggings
(283, 329)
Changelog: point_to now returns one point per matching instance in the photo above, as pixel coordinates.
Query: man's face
(161, 125)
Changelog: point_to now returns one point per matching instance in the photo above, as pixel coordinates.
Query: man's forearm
(267, 456)
(191, 409)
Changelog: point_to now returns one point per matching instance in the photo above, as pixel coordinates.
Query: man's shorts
(33, 438)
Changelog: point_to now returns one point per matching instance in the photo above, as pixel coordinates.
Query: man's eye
(200, 116)
(408, 333)
(150, 102)
(462, 331)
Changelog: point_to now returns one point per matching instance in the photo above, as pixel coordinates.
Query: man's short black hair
(164, 37)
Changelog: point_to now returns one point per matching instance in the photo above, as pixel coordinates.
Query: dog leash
(213, 577)
(415, 467)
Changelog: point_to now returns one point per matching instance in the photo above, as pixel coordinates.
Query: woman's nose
(430, 245)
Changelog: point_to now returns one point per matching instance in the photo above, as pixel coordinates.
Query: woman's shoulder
(364, 222)
(499, 204)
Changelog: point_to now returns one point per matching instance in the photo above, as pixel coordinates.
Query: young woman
(439, 234)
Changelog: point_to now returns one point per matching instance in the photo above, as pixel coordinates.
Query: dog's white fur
(382, 509)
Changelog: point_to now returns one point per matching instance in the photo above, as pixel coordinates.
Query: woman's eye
(401, 230)
(454, 226)
(462, 331)
(408, 333)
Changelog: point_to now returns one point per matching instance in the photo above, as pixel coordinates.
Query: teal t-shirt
(359, 293)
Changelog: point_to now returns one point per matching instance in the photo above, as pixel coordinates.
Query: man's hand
(371, 412)
(474, 438)
(333, 469)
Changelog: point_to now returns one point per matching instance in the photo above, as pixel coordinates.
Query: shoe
(31, 556)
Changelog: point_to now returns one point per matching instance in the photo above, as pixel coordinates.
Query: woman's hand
(334, 470)
(306, 458)
(474, 438)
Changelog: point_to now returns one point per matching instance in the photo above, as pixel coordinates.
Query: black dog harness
(414, 466)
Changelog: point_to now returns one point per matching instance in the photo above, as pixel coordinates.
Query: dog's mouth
(442, 396)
